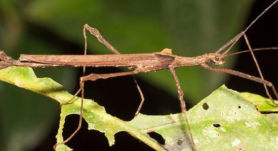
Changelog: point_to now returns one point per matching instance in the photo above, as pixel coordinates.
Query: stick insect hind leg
(84, 78)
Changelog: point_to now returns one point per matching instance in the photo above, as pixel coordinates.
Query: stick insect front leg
(231, 43)
(244, 75)
(260, 72)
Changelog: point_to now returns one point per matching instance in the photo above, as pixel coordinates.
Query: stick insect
(141, 63)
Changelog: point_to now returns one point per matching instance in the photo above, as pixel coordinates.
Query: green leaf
(94, 114)
(98, 119)
(262, 104)
(25, 120)
(189, 27)
(240, 124)
(222, 121)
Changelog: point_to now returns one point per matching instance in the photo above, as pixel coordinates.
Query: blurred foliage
(189, 27)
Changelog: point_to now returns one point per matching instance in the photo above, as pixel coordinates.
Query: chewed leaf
(94, 114)
(226, 121)
(25, 77)
(222, 121)
(98, 119)
(171, 127)
(263, 104)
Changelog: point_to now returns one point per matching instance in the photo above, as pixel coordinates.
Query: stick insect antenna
(250, 25)
(260, 15)
(236, 38)
(232, 42)
(254, 50)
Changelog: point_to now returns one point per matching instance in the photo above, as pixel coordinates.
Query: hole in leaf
(239, 107)
(205, 106)
(157, 137)
(179, 142)
(216, 125)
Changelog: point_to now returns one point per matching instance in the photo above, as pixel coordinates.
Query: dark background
(120, 98)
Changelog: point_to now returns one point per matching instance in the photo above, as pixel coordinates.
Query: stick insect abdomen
(143, 62)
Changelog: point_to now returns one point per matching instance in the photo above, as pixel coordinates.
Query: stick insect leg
(141, 95)
(244, 75)
(183, 105)
(232, 42)
(81, 89)
(92, 77)
(84, 68)
(80, 117)
(259, 70)
(97, 34)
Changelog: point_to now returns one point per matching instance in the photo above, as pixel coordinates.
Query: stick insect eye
(216, 58)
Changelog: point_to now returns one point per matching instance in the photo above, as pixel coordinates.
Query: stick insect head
(216, 58)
